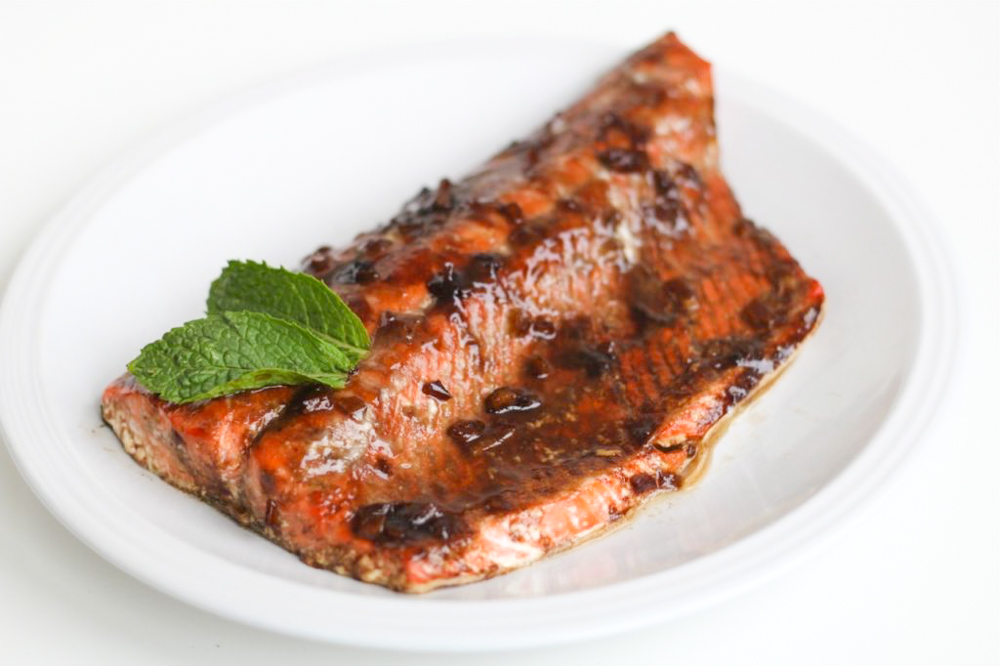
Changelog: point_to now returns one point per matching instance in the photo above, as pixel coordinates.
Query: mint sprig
(265, 326)
(257, 287)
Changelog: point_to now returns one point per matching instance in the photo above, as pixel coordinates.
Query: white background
(914, 580)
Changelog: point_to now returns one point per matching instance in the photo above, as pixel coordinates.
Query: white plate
(274, 173)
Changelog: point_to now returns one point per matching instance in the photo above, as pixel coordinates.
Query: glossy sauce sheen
(553, 338)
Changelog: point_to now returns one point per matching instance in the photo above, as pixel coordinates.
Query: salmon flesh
(553, 339)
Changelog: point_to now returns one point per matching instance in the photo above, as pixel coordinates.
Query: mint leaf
(265, 326)
(257, 287)
(234, 351)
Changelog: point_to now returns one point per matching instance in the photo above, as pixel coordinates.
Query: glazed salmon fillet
(554, 340)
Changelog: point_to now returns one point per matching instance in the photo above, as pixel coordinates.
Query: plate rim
(706, 580)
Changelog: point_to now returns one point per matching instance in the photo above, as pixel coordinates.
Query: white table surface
(913, 580)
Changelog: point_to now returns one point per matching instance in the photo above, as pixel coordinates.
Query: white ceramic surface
(276, 172)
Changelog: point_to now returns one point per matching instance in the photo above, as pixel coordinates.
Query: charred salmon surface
(554, 339)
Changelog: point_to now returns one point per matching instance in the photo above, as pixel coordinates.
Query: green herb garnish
(265, 326)
(247, 285)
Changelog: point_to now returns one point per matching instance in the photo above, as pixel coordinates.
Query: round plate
(274, 173)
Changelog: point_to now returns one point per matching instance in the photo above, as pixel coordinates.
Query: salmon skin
(554, 338)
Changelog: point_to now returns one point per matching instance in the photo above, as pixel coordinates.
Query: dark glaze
(580, 410)
(539, 323)
(593, 388)
(409, 522)
(436, 390)
(643, 483)
(554, 338)
(580, 418)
